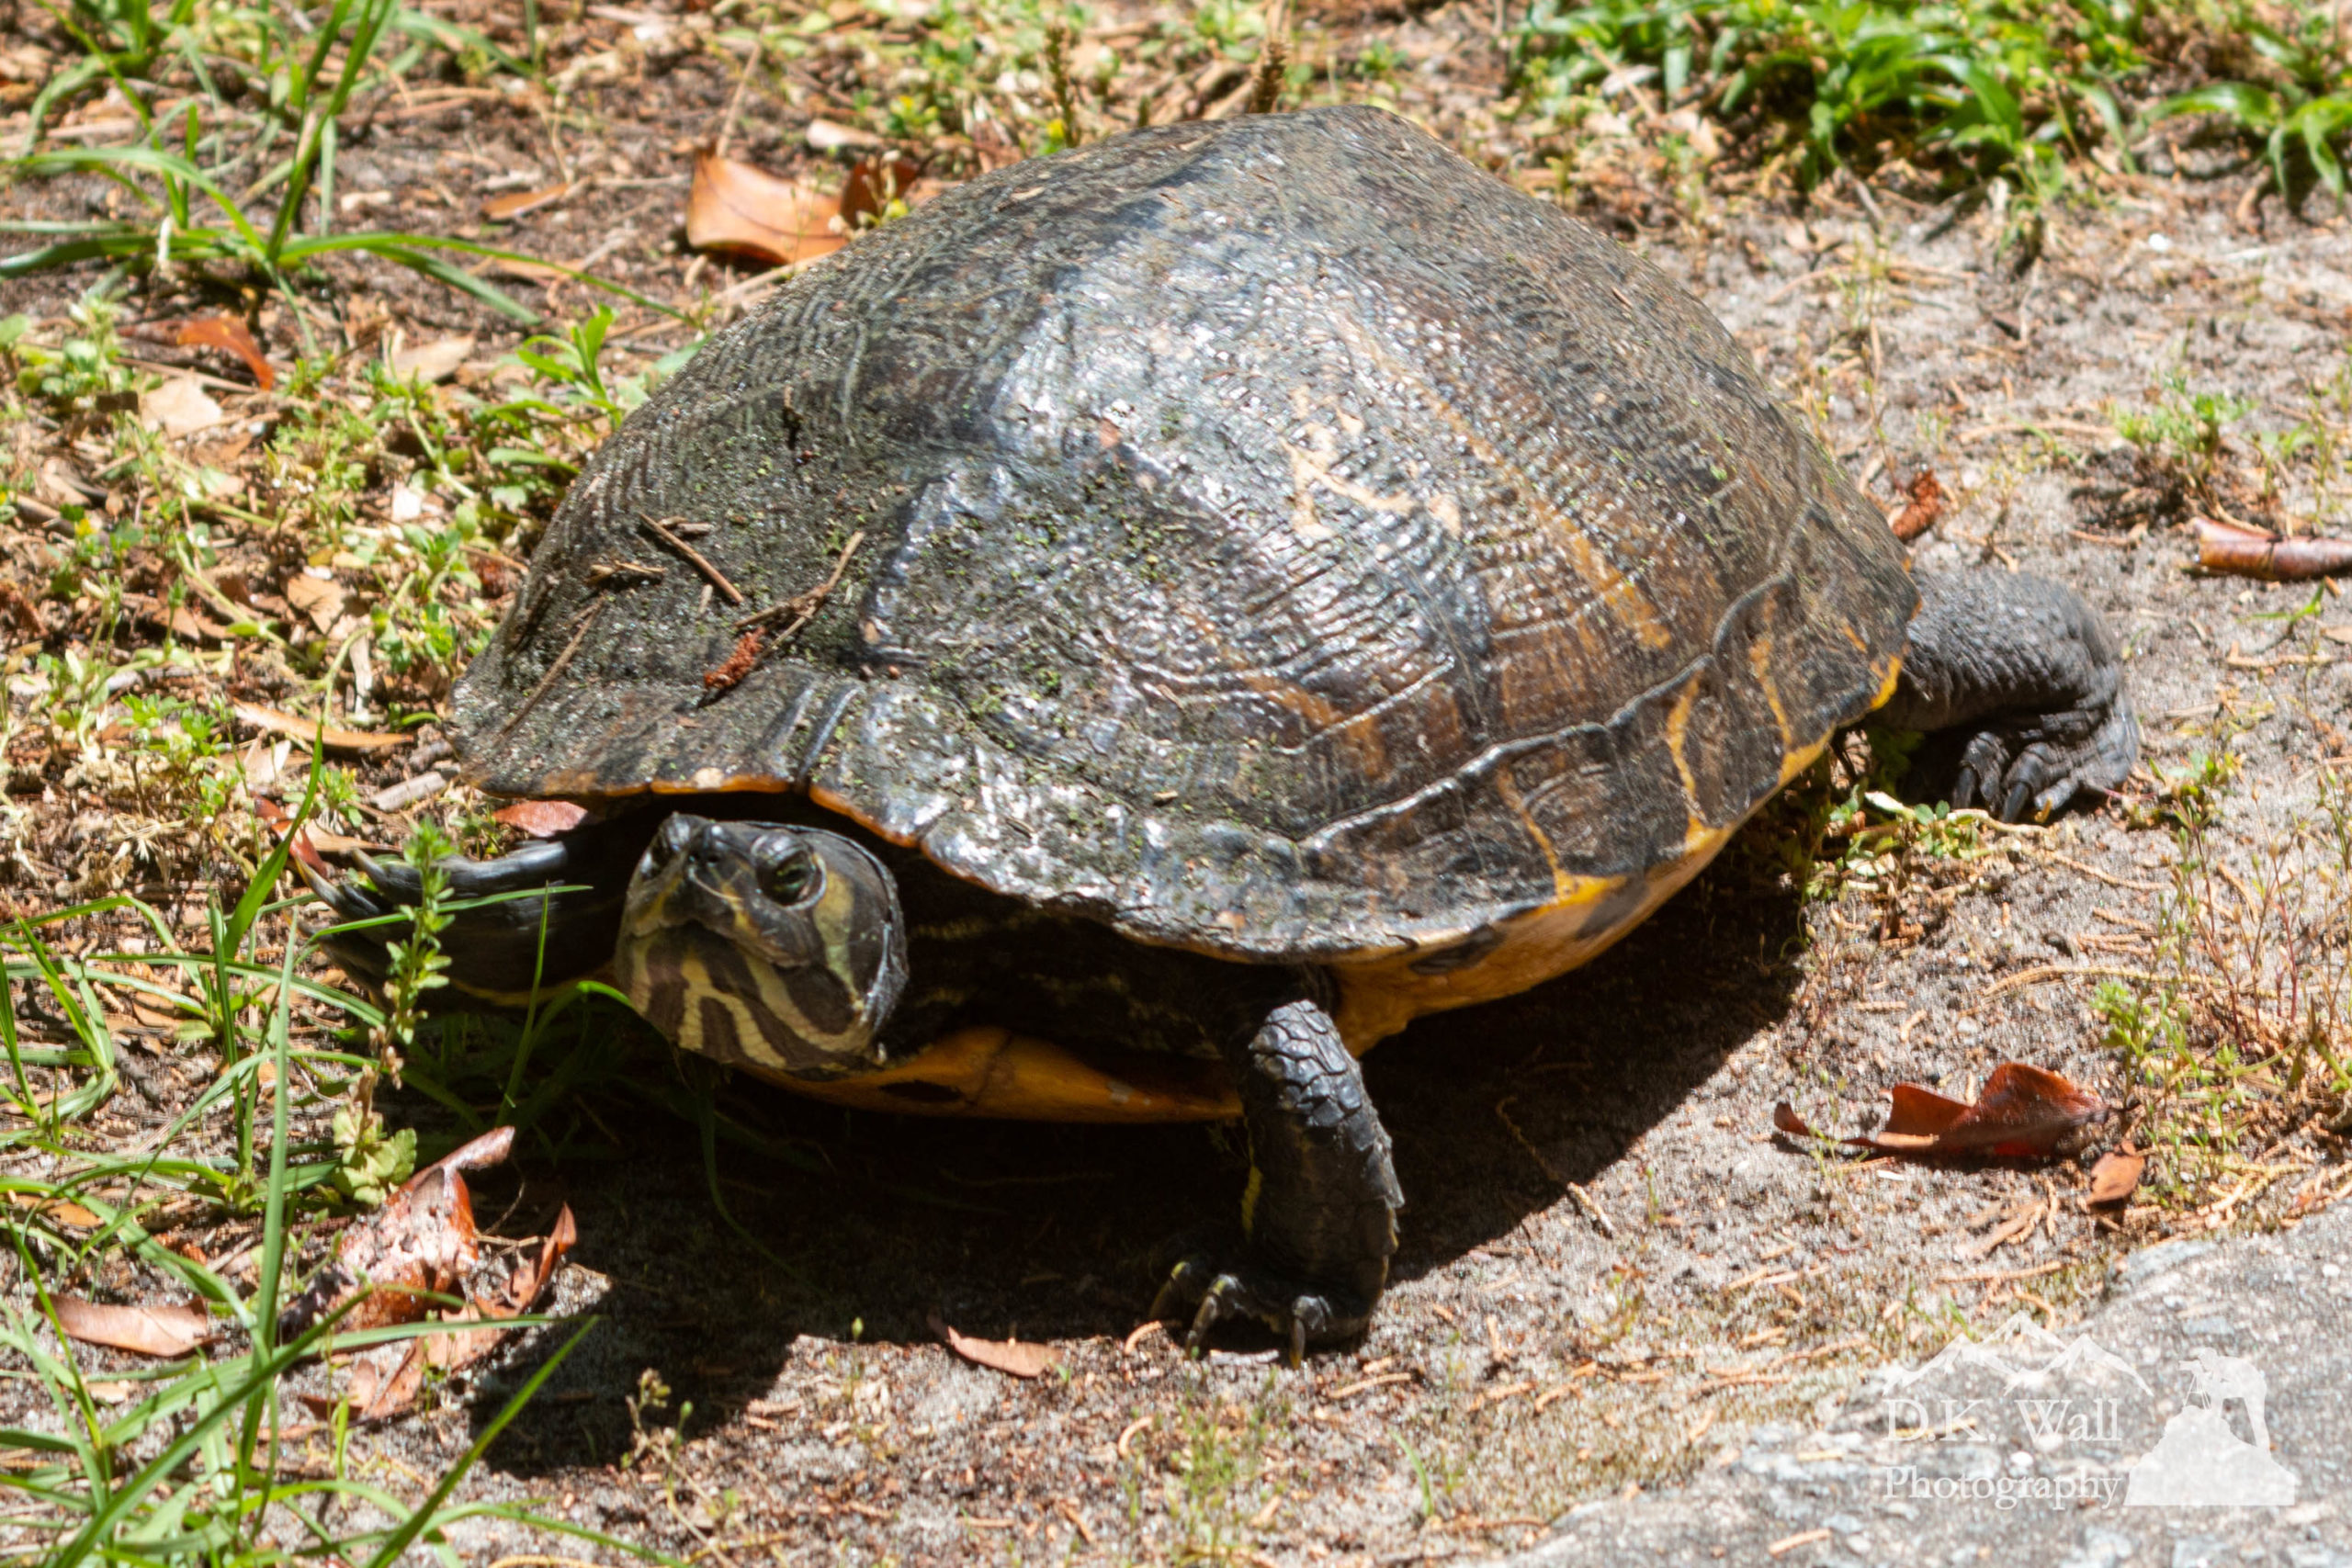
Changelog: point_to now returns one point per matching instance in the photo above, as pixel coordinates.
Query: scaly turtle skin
(1282, 581)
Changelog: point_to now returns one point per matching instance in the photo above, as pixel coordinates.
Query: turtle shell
(1278, 537)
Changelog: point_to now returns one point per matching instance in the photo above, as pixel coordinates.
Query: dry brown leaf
(377, 1396)
(277, 721)
(1920, 513)
(429, 362)
(1016, 1357)
(524, 270)
(320, 599)
(420, 1243)
(179, 407)
(875, 183)
(19, 607)
(2115, 1175)
(541, 819)
(734, 206)
(514, 204)
(2024, 1112)
(60, 1211)
(229, 335)
(2235, 551)
(190, 626)
(173, 1330)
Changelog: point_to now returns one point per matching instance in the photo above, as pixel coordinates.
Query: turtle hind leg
(2021, 686)
(1319, 1217)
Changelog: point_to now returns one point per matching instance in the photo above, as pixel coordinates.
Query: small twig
(802, 608)
(579, 635)
(717, 578)
(2098, 875)
(1863, 193)
(623, 571)
(734, 105)
(1585, 1201)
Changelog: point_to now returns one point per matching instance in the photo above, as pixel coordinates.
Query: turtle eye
(791, 880)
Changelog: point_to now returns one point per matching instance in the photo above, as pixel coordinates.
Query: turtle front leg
(1318, 1219)
(2025, 682)
(527, 929)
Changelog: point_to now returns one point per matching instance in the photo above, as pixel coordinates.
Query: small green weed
(2189, 798)
(2300, 110)
(2183, 430)
(2237, 1036)
(1987, 86)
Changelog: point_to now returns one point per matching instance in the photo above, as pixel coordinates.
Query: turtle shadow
(878, 1223)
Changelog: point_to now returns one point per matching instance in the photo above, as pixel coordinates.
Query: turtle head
(763, 945)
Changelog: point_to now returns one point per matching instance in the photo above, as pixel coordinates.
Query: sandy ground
(1529, 1356)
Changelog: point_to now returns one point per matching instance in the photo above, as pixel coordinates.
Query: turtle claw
(347, 899)
(1214, 1296)
(2039, 766)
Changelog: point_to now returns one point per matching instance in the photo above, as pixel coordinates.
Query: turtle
(1117, 642)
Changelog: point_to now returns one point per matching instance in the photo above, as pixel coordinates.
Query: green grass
(1978, 88)
(2232, 1039)
(2299, 104)
(234, 194)
(1982, 84)
(191, 1466)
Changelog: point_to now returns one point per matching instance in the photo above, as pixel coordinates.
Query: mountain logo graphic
(2025, 1355)
(2200, 1461)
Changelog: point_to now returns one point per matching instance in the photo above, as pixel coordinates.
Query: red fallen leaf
(1015, 1356)
(734, 206)
(229, 335)
(2237, 551)
(172, 1330)
(2023, 1112)
(420, 1243)
(2115, 1175)
(1920, 513)
(541, 819)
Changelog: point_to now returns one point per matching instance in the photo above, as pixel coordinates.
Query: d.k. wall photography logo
(2025, 1418)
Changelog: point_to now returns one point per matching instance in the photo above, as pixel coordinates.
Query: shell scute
(1281, 538)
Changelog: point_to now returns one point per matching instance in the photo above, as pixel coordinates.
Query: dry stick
(802, 608)
(735, 104)
(579, 635)
(2098, 875)
(717, 578)
(1585, 1201)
